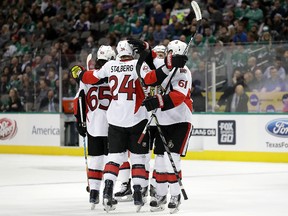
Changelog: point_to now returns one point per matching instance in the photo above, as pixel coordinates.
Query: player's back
(122, 81)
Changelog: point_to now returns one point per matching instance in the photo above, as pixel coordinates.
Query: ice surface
(55, 185)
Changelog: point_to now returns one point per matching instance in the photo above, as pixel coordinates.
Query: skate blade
(174, 210)
(107, 207)
(127, 198)
(138, 208)
(93, 206)
(157, 209)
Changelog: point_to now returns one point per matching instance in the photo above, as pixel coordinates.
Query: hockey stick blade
(197, 10)
(89, 57)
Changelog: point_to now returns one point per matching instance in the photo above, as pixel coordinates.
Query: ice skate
(107, 196)
(152, 191)
(157, 203)
(94, 198)
(174, 203)
(125, 193)
(144, 194)
(138, 197)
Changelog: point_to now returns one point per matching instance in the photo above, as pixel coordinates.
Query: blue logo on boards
(254, 100)
(278, 127)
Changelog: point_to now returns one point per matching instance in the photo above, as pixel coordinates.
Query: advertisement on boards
(30, 129)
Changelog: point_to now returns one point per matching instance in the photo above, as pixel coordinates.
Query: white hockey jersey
(98, 98)
(181, 82)
(125, 109)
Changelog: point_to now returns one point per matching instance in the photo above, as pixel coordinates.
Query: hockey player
(160, 51)
(174, 114)
(126, 118)
(95, 102)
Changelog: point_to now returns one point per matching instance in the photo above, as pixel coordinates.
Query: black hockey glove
(154, 102)
(138, 45)
(178, 61)
(81, 129)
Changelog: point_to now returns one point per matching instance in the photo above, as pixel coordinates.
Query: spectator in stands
(252, 64)
(52, 77)
(42, 92)
(137, 29)
(238, 101)
(248, 79)
(239, 55)
(285, 102)
(49, 10)
(15, 81)
(277, 25)
(120, 27)
(258, 82)
(208, 38)
(198, 99)
(15, 65)
(237, 79)
(159, 34)
(285, 60)
(241, 35)
(98, 14)
(254, 14)
(240, 12)
(50, 31)
(158, 14)
(27, 92)
(4, 84)
(26, 61)
(82, 24)
(5, 35)
(199, 76)
(14, 102)
(277, 8)
(223, 34)
(216, 17)
(49, 103)
(274, 83)
(279, 67)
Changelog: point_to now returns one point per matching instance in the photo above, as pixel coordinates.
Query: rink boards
(230, 137)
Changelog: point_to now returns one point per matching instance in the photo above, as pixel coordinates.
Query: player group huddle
(127, 107)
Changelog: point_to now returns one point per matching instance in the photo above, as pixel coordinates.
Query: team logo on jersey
(8, 128)
(227, 132)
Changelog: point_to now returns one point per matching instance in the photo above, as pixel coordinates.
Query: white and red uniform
(125, 109)
(97, 99)
(175, 119)
(126, 117)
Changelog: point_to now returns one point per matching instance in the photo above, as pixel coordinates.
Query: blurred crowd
(40, 37)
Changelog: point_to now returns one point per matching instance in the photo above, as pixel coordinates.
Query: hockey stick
(198, 16)
(163, 140)
(166, 146)
(89, 57)
(84, 141)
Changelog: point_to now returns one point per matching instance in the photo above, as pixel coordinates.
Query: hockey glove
(178, 61)
(76, 70)
(81, 129)
(138, 45)
(154, 102)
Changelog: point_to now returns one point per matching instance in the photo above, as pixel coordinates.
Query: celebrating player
(174, 123)
(95, 102)
(126, 118)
